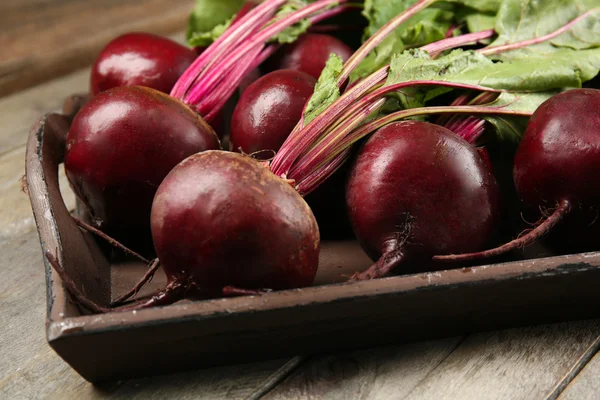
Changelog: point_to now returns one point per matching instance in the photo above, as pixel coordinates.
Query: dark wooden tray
(328, 316)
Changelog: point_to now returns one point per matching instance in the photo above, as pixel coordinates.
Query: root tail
(564, 207)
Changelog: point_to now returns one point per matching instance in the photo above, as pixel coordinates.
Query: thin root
(152, 268)
(563, 208)
(72, 288)
(110, 240)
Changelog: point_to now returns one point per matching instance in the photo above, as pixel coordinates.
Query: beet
(140, 59)
(120, 147)
(308, 54)
(268, 111)
(223, 219)
(556, 166)
(416, 189)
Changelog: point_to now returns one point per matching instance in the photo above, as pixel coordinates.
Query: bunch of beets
(229, 162)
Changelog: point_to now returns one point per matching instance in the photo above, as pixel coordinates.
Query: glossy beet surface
(559, 155)
(223, 219)
(140, 59)
(418, 187)
(309, 54)
(120, 147)
(556, 167)
(268, 110)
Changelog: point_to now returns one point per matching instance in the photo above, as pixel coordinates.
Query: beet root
(120, 147)
(417, 190)
(556, 166)
(309, 54)
(268, 111)
(140, 59)
(222, 219)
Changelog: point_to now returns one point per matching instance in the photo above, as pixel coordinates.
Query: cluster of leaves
(532, 73)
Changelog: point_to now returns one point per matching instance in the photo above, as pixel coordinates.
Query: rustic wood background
(43, 41)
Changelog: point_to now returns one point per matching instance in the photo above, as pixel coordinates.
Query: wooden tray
(325, 317)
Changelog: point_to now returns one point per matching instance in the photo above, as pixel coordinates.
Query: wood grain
(30, 369)
(586, 386)
(15, 210)
(21, 110)
(510, 364)
(42, 39)
(381, 373)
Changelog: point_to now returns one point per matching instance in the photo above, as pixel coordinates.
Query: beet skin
(120, 147)
(268, 111)
(556, 168)
(309, 54)
(417, 190)
(223, 219)
(140, 59)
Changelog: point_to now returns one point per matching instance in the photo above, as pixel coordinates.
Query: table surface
(40, 65)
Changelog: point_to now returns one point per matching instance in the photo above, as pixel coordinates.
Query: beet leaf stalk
(215, 75)
(305, 155)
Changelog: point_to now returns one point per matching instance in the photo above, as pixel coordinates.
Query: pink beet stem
(321, 174)
(356, 115)
(530, 42)
(435, 48)
(378, 37)
(211, 78)
(297, 142)
(238, 30)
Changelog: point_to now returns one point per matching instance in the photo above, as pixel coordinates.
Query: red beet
(417, 190)
(222, 219)
(556, 165)
(120, 147)
(140, 59)
(309, 54)
(268, 110)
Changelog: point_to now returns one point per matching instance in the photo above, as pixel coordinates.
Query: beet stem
(110, 240)
(366, 129)
(212, 77)
(564, 207)
(238, 30)
(435, 48)
(451, 30)
(512, 46)
(152, 268)
(378, 37)
(351, 118)
(382, 267)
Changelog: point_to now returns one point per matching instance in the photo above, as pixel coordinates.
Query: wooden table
(551, 361)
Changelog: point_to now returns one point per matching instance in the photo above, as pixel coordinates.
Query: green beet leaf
(209, 19)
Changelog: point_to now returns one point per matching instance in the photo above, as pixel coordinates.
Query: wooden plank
(514, 364)
(30, 369)
(43, 39)
(381, 373)
(586, 384)
(521, 363)
(15, 211)
(21, 110)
